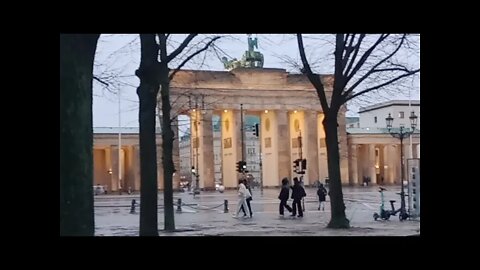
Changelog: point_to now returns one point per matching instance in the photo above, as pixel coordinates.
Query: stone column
(392, 164)
(136, 168)
(100, 168)
(206, 157)
(322, 149)
(381, 163)
(362, 162)
(353, 162)
(231, 147)
(129, 173)
(371, 164)
(114, 184)
(269, 144)
(298, 122)
(282, 144)
(108, 167)
(274, 137)
(176, 154)
(310, 147)
(343, 148)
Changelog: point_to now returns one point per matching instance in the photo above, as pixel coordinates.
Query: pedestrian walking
(249, 198)
(243, 194)
(298, 192)
(283, 197)
(322, 194)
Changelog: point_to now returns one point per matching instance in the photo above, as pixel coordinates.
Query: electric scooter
(385, 214)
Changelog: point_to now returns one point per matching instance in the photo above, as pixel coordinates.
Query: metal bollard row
(179, 206)
(132, 207)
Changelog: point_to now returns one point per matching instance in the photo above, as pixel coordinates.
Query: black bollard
(132, 208)
(179, 205)
(225, 206)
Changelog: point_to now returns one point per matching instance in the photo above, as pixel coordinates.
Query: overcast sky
(118, 57)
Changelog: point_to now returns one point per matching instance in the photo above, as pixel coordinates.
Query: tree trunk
(77, 53)
(338, 218)
(167, 146)
(147, 93)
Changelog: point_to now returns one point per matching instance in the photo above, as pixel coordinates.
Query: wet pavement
(203, 215)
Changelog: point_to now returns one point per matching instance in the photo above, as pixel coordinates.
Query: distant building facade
(252, 151)
(287, 109)
(373, 152)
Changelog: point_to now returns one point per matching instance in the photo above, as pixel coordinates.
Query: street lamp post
(119, 144)
(403, 133)
(196, 145)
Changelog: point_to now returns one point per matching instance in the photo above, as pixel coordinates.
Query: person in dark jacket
(245, 182)
(283, 197)
(298, 192)
(321, 193)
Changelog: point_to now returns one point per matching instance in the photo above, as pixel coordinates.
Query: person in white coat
(243, 194)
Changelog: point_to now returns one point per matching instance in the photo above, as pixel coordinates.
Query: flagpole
(119, 145)
(410, 109)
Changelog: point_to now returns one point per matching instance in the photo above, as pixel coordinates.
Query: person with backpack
(298, 192)
(322, 194)
(283, 197)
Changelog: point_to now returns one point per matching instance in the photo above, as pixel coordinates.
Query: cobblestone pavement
(203, 215)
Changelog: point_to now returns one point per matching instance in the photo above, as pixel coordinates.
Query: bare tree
(155, 75)
(77, 52)
(362, 65)
(147, 93)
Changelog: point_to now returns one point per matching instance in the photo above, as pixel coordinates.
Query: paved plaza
(203, 215)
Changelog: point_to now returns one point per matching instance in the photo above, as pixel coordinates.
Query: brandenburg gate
(288, 107)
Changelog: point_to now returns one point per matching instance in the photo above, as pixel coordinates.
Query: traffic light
(242, 166)
(256, 133)
(296, 164)
(304, 164)
(239, 166)
(299, 166)
(193, 169)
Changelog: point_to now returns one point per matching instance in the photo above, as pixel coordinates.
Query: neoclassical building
(107, 157)
(290, 126)
(373, 152)
(289, 111)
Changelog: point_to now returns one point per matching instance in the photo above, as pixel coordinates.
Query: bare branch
(355, 53)
(293, 63)
(315, 80)
(181, 47)
(373, 69)
(163, 48)
(339, 49)
(383, 84)
(348, 50)
(96, 78)
(364, 58)
(390, 69)
(191, 56)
